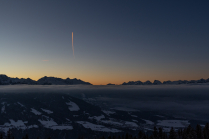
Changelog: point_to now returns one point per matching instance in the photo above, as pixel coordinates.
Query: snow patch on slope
(98, 118)
(62, 127)
(110, 122)
(148, 122)
(47, 111)
(20, 104)
(108, 112)
(97, 127)
(18, 125)
(3, 109)
(135, 121)
(124, 109)
(35, 111)
(173, 123)
(72, 106)
(131, 124)
(47, 124)
(53, 125)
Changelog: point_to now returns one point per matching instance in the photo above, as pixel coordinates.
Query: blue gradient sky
(114, 41)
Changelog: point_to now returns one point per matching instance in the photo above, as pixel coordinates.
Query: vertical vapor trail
(72, 44)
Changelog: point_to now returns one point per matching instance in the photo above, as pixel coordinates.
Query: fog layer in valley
(183, 101)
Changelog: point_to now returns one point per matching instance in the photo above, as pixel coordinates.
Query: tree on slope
(172, 134)
(206, 131)
(9, 134)
(155, 133)
(1, 136)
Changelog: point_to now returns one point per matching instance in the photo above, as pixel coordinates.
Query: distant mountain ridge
(5, 80)
(157, 82)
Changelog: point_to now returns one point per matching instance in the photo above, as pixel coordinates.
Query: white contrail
(72, 44)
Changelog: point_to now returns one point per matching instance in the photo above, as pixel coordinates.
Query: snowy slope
(53, 114)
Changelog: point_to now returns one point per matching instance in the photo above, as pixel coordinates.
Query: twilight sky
(115, 41)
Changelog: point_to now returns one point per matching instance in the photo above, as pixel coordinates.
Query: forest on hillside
(187, 133)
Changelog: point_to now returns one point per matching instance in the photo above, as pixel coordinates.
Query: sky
(114, 41)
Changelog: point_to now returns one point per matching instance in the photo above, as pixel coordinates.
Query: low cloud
(45, 60)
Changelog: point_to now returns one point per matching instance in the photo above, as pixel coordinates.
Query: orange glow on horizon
(100, 81)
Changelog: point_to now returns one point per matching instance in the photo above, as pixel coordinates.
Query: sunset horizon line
(111, 83)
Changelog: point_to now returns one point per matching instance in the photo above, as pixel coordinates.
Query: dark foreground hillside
(59, 112)
(157, 133)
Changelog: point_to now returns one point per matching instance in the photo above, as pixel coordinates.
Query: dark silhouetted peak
(124, 83)
(110, 84)
(4, 77)
(147, 82)
(58, 81)
(193, 81)
(45, 78)
(179, 82)
(78, 81)
(129, 83)
(138, 83)
(68, 81)
(201, 81)
(156, 82)
(4, 80)
(182, 82)
(185, 81)
(50, 80)
(167, 82)
(29, 80)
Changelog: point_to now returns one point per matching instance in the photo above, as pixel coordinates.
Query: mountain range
(157, 82)
(5, 80)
